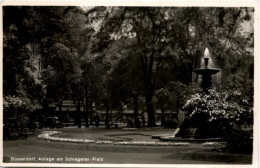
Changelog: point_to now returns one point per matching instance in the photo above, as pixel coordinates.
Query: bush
(229, 107)
(222, 114)
(15, 106)
(15, 119)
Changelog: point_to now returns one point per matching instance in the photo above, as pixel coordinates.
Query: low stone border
(48, 135)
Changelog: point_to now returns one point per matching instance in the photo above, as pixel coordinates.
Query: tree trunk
(60, 111)
(107, 112)
(78, 114)
(87, 108)
(60, 106)
(143, 117)
(163, 117)
(91, 113)
(86, 116)
(150, 110)
(137, 124)
(178, 104)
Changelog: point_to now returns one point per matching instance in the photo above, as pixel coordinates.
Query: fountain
(206, 72)
(188, 133)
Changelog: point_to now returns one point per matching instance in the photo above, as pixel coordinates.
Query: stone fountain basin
(188, 136)
(171, 138)
(166, 135)
(161, 135)
(207, 70)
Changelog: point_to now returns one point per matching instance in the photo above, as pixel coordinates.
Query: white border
(158, 3)
(182, 3)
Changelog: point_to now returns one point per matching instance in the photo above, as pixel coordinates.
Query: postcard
(129, 83)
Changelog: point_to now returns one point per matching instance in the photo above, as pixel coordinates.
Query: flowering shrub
(15, 120)
(13, 105)
(222, 114)
(230, 105)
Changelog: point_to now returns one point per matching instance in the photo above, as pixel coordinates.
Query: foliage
(168, 42)
(14, 110)
(223, 114)
(228, 104)
(174, 95)
(49, 41)
(54, 35)
(13, 104)
(111, 54)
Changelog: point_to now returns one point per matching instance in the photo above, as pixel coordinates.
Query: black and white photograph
(129, 85)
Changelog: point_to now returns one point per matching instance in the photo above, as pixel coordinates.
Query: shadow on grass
(225, 158)
(121, 138)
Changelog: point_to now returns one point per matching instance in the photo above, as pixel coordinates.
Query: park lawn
(195, 153)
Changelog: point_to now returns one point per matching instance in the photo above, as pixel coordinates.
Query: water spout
(207, 57)
(206, 53)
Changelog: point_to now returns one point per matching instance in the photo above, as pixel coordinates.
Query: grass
(192, 154)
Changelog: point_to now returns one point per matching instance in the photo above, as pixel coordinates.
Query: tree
(54, 36)
(179, 34)
(15, 53)
(103, 70)
(163, 44)
(140, 30)
(125, 82)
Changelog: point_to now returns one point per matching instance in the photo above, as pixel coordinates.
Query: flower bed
(213, 144)
(152, 143)
(103, 142)
(48, 135)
